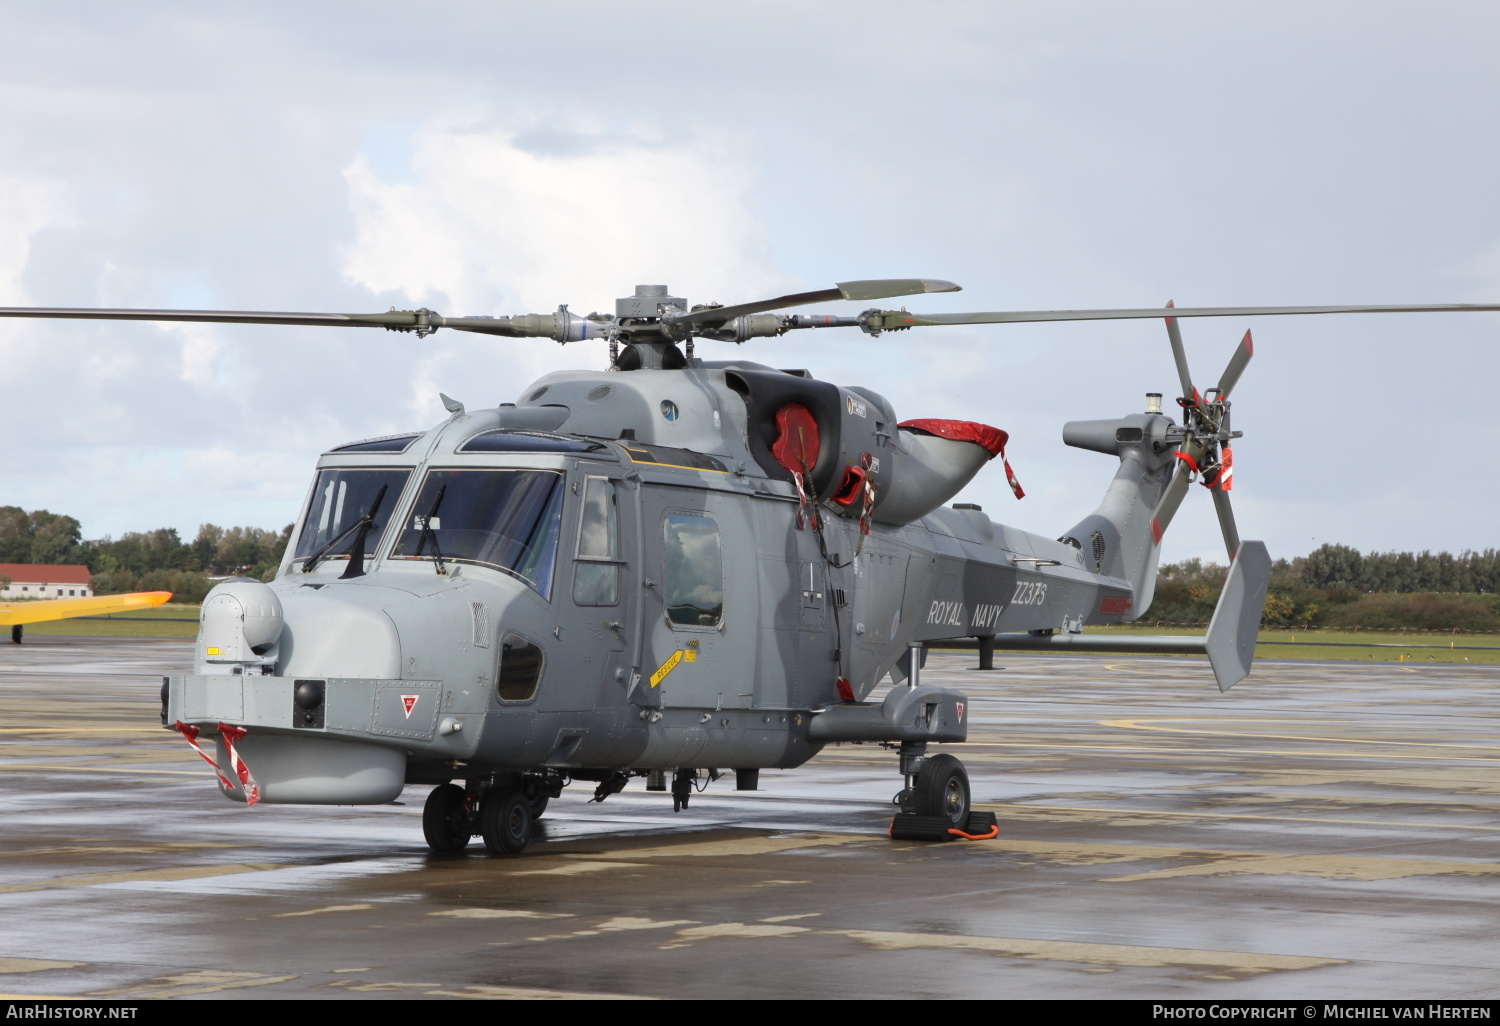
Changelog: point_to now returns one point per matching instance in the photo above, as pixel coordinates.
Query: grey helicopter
(674, 568)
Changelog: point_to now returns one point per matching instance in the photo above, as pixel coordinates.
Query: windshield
(505, 519)
(340, 497)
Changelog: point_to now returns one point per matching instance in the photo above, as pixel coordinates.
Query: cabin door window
(694, 570)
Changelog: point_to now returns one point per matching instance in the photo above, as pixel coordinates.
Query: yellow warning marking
(95, 879)
(1145, 725)
(33, 965)
(615, 925)
(1095, 954)
(666, 667)
(716, 930)
(197, 981)
(1227, 751)
(1329, 867)
(499, 913)
(1235, 815)
(483, 991)
(320, 911)
(100, 769)
(576, 868)
(157, 848)
(86, 730)
(1014, 947)
(738, 846)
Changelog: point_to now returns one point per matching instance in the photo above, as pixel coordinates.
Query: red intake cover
(991, 439)
(796, 445)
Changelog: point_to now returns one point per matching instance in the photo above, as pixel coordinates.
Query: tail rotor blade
(1226, 521)
(1179, 354)
(1237, 364)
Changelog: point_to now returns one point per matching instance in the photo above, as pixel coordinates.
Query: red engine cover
(992, 439)
(796, 445)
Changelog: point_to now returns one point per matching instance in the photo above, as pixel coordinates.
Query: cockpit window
(385, 443)
(341, 497)
(505, 519)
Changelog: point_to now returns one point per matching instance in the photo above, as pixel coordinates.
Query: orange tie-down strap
(994, 832)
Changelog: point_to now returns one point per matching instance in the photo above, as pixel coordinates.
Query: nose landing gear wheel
(505, 821)
(445, 819)
(942, 789)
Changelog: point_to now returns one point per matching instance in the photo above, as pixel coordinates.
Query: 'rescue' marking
(667, 667)
(408, 703)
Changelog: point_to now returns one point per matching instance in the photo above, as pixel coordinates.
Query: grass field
(173, 620)
(180, 620)
(1358, 646)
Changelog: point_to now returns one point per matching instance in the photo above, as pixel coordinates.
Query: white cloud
(571, 218)
(27, 205)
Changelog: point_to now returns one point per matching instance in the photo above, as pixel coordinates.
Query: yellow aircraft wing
(16, 613)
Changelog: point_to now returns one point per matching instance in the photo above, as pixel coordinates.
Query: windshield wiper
(362, 526)
(429, 535)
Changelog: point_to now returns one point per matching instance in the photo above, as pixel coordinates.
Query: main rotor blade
(1237, 364)
(1166, 509)
(1179, 355)
(898, 319)
(1226, 521)
(393, 319)
(877, 288)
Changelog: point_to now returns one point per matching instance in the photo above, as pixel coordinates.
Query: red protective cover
(992, 439)
(796, 445)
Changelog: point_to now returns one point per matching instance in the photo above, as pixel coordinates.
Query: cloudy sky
(494, 158)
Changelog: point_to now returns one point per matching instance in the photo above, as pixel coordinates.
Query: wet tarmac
(1325, 830)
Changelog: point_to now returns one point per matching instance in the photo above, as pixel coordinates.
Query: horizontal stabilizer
(1229, 644)
(1103, 644)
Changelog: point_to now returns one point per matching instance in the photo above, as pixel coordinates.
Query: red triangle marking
(409, 702)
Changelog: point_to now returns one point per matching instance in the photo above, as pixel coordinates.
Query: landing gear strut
(682, 788)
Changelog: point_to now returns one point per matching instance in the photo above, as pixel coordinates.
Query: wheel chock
(981, 826)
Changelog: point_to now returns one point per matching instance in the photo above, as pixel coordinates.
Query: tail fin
(1119, 538)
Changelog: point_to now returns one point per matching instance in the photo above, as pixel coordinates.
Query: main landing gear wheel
(942, 789)
(445, 819)
(538, 806)
(505, 821)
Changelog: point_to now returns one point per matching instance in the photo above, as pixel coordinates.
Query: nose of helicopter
(340, 630)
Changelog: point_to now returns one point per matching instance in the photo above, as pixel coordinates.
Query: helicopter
(676, 567)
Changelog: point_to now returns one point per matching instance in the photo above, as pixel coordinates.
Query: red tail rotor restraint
(230, 735)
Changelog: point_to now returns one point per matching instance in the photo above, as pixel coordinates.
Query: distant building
(39, 580)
